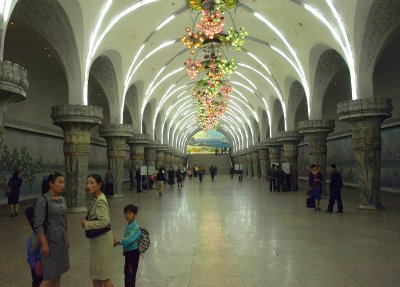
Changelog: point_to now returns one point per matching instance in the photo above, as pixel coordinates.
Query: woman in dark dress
(14, 184)
(315, 185)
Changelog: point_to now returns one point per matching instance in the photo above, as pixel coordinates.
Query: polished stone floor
(231, 233)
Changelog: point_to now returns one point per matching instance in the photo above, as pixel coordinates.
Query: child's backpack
(144, 240)
(30, 215)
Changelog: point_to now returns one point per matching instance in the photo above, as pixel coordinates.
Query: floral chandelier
(212, 90)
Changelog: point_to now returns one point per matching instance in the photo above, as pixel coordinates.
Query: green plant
(19, 160)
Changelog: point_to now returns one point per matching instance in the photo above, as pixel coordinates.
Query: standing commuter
(335, 187)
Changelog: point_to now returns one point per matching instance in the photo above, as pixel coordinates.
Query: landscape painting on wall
(207, 142)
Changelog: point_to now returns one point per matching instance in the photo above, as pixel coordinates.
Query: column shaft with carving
(273, 153)
(264, 162)
(116, 136)
(315, 133)
(256, 163)
(366, 116)
(249, 164)
(136, 144)
(77, 122)
(160, 156)
(290, 141)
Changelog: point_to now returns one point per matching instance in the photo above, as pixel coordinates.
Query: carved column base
(116, 136)
(315, 133)
(366, 116)
(290, 141)
(76, 122)
(274, 153)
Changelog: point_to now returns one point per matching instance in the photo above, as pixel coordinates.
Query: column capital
(139, 139)
(13, 81)
(355, 110)
(272, 142)
(115, 130)
(69, 114)
(323, 126)
(290, 136)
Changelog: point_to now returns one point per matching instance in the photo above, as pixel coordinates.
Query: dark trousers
(36, 280)
(138, 187)
(212, 176)
(335, 196)
(109, 189)
(131, 267)
(272, 184)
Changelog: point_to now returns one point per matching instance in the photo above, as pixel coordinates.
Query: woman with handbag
(315, 186)
(51, 228)
(98, 230)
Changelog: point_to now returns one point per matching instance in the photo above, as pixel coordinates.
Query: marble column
(315, 133)
(76, 122)
(167, 159)
(273, 153)
(243, 161)
(366, 116)
(13, 86)
(150, 154)
(116, 136)
(264, 161)
(290, 141)
(136, 144)
(160, 157)
(249, 164)
(256, 163)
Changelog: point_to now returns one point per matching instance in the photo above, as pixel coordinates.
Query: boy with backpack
(33, 258)
(130, 245)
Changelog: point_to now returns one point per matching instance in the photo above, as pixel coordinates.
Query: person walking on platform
(14, 186)
(109, 180)
(335, 187)
(272, 179)
(280, 176)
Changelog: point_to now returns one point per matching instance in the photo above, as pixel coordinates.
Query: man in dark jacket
(335, 188)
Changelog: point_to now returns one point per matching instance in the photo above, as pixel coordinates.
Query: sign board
(286, 167)
(238, 166)
(143, 170)
(151, 169)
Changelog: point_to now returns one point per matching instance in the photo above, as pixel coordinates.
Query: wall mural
(340, 151)
(207, 142)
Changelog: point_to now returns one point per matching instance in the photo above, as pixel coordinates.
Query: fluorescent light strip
(233, 123)
(165, 22)
(243, 86)
(247, 106)
(300, 67)
(346, 50)
(260, 62)
(169, 110)
(236, 117)
(246, 79)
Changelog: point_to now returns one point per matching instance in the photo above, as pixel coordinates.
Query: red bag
(38, 268)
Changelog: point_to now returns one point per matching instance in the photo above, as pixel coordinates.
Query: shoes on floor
(319, 209)
(160, 194)
(16, 214)
(339, 211)
(327, 211)
(11, 215)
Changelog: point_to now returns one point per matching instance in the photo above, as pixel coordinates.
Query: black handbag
(310, 202)
(97, 232)
(91, 233)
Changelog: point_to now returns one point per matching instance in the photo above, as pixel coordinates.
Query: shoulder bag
(91, 233)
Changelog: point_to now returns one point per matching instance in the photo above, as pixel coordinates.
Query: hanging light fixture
(212, 91)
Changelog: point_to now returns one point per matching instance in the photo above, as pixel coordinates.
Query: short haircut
(313, 165)
(332, 165)
(132, 208)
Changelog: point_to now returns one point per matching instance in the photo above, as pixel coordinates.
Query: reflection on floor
(231, 233)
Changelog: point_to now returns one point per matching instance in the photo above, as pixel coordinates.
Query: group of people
(48, 247)
(277, 179)
(315, 191)
(221, 150)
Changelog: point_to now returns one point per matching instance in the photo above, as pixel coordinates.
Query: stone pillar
(366, 116)
(243, 161)
(76, 122)
(264, 161)
(256, 163)
(315, 133)
(160, 156)
(167, 159)
(150, 154)
(13, 86)
(249, 164)
(116, 136)
(290, 141)
(136, 144)
(273, 153)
